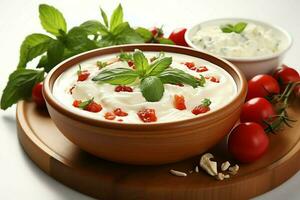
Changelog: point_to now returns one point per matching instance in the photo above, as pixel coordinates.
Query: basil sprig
(236, 28)
(61, 43)
(152, 76)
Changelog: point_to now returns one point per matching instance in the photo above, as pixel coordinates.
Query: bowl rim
(234, 104)
(287, 35)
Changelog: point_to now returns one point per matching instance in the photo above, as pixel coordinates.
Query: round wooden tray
(102, 179)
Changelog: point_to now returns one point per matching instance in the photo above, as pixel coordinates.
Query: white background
(19, 177)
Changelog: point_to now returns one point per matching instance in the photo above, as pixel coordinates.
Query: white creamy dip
(220, 93)
(254, 41)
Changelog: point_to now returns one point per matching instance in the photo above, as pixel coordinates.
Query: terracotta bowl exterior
(145, 144)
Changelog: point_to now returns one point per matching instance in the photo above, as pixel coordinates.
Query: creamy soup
(78, 91)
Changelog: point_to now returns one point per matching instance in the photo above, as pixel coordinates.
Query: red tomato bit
(93, 107)
(202, 69)
(202, 108)
(119, 112)
(122, 88)
(83, 75)
(213, 79)
(179, 102)
(131, 64)
(109, 116)
(147, 115)
(76, 103)
(190, 65)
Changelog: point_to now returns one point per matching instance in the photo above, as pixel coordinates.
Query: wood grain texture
(58, 157)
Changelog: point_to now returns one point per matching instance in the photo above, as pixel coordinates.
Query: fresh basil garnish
(117, 76)
(19, 86)
(177, 76)
(152, 76)
(237, 28)
(152, 88)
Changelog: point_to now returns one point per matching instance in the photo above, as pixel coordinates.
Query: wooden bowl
(145, 144)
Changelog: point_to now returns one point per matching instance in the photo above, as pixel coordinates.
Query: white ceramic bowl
(250, 66)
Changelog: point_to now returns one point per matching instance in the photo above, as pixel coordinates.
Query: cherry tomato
(156, 32)
(37, 95)
(257, 110)
(285, 75)
(177, 36)
(248, 142)
(262, 85)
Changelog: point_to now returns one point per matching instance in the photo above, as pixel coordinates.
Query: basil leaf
(239, 27)
(116, 18)
(202, 81)
(84, 104)
(101, 64)
(34, 45)
(159, 65)
(164, 41)
(123, 56)
(140, 62)
(175, 76)
(54, 55)
(144, 33)
(42, 62)
(52, 20)
(94, 27)
(19, 86)
(206, 102)
(152, 88)
(107, 40)
(124, 34)
(104, 17)
(117, 76)
(227, 28)
(77, 40)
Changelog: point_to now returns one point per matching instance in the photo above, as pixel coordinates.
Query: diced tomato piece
(130, 63)
(202, 69)
(83, 75)
(119, 112)
(93, 107)
(179, 102)
(76, 103)
(189, 64)
(213, 79)
(147, 115)
(122, 88)
(200, 109)
(109, 116)
(120, 120)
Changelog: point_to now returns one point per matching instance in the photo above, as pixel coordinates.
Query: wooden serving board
(102, 179)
